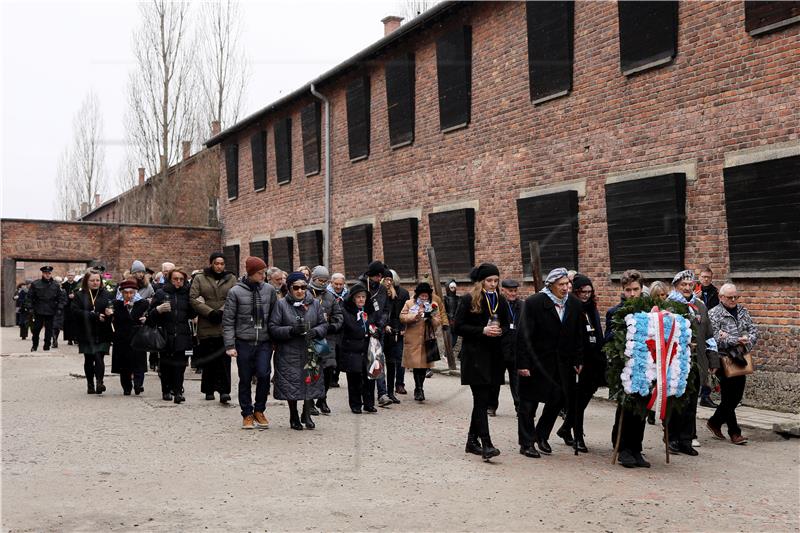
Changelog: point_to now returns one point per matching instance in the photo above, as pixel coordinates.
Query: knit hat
(423, 288)
(580, 281)
(294, 276)
(320, 272)
(214, 256)
(253, 265)
(483, 271)
(682, 275)
(128, 284)
(375, 268)
(137, 266)
(555, 275)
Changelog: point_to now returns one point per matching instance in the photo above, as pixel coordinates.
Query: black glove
(215, 316)
(312, 334)
(298, 330)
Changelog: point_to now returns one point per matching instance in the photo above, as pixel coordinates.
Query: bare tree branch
(408, 9)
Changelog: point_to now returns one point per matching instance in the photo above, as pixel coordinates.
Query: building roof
(415, 25)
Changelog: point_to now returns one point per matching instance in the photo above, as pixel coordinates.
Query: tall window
(358, 103)
(552, 221)
(309, 246)
(260, 249)
(232, 169)
(283, 150)
(550, 37)
(258, 152)
(400, 99)
(454, 76)
(400, 246)
(453, 239)
(231, 254)
(356, 249)
(648, 34)
(310, 123)
(283, 253)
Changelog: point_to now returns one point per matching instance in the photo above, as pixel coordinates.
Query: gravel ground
(113, 463)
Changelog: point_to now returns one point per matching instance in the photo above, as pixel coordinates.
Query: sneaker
(695, 443)
(248, 422)
(384, 401)
(429, 374)
(393, 398)
(261, 420)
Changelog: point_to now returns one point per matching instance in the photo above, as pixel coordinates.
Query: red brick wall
(725, 92)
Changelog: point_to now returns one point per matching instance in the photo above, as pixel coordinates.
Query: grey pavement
(75, 462)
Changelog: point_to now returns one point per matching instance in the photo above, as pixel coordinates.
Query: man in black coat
(43, 300)
(509, 288)
(709, 294)
(549, 354)
(69, 287)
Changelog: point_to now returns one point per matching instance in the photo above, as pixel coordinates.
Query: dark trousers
(38, 322)
(129, 380)
(731, 393)
(395, 373)
(172, 367)
(215, 364)
(579, 399)
(513, 383)
(632, 431)
(527, 431)
(94, 367)
(327, 378)
(683, 426)
(419, 377)
(360, 389)
(253, 360)
(479, 421)
(23, 330)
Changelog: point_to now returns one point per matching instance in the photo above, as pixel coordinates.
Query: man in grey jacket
(245, 333)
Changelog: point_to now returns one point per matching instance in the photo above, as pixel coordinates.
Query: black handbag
(149, 339)
(431, 345)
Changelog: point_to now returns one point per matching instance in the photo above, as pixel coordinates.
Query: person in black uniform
(549, 354)
(509, 288)
(43, 300)
(482, 320)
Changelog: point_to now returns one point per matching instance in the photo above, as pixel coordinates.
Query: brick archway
(115, 245)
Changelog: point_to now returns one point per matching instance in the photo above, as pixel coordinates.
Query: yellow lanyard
(93, 298)
(492, 310)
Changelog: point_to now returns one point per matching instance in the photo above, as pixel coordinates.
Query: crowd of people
(294, 334)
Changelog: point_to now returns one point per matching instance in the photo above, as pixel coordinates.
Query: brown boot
(248, 422)
(261, 420)
(716, 430)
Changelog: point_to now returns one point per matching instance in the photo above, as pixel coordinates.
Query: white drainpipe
(326, 231)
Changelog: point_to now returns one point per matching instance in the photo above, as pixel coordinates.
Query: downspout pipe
(326, 231)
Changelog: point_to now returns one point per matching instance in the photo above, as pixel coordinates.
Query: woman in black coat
(357, 327)
(593, 374)
(171, 312)
(91, 310)
(549, 354)
(129, 315)
(482, 320)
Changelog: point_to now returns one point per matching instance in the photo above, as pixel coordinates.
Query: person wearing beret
(43, 300)
(549, 354)
(482, 320)
(129, 314)
(594, 365)
(207, 295)
(91, 310)
(296, 321)
(421, 319)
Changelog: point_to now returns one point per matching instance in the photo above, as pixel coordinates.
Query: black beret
(375, 268)
(483, 271)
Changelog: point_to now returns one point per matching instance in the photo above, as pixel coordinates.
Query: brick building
(188, 196)
(650, 135)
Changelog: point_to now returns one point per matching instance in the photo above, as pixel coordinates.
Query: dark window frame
(444, 227)
(400, 75)
(757, 19)
(315, 240)
(541, 17)
(282, 137)
(311, 128)
(258, 157)
(279, 245)
(453, 77)
(232, 170)
(263, 246)
(356, 260)
(358, 102)
(394, 234)
(630, 32)
(232, 254)
(558, 212)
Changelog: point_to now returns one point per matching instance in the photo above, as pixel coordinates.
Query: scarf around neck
(342, 295)
(561, 302)
(676, 296)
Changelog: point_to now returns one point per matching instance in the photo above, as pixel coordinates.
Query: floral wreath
(650, 345)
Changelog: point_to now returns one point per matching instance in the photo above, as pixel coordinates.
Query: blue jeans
(253, 360)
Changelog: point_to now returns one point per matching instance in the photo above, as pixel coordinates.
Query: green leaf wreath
(615, 352)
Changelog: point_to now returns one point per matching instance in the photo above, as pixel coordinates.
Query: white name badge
(589, 327)
(375, 305)
(511, 326)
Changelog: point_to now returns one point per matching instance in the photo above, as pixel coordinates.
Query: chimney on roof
(216, 127)
(96, 200)
(72, 214)
(186, 147)
(84, 208)
(141, 175)
(390, 24)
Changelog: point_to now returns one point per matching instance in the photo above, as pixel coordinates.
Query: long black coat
(43, 297)
(126, 323)
(354, 341)
(549, 347)
(290, 352)
(89, 330)
(332, 310)
(593, 374)
(69, 289)
(174, 324)
(481, 356)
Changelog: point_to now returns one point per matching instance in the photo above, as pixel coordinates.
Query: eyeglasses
(734, 298)
(586, 291)
(299, 287)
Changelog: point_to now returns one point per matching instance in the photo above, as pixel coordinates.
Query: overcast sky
(54, 53)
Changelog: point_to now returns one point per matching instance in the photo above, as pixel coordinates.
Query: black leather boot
(294, 418)
(305, 418)
(488, 451)
(473, 445)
